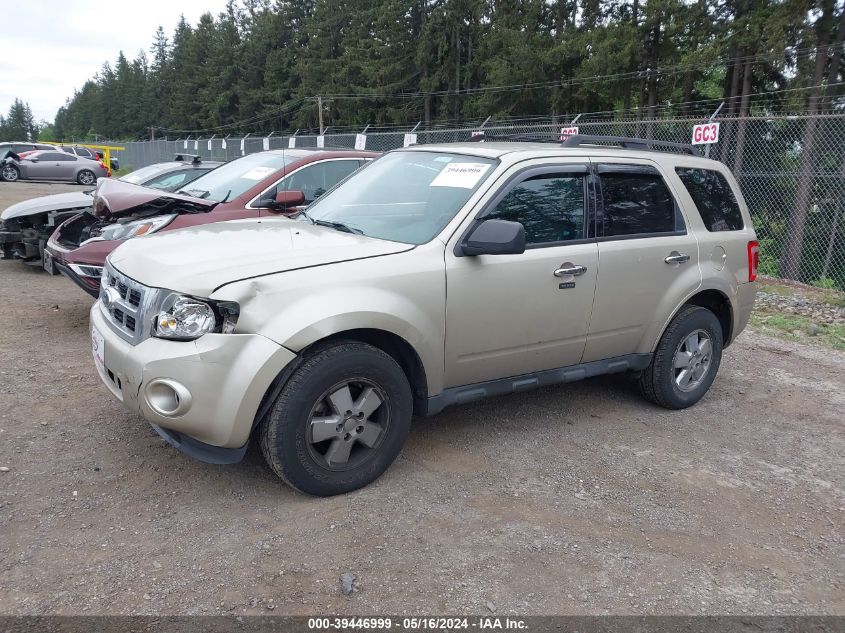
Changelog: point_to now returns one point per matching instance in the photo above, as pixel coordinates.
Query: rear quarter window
(713, 197)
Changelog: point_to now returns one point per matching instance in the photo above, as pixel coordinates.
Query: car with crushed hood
(26, 226)
(275, 182)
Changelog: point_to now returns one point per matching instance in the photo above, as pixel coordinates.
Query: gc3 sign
(705, 133)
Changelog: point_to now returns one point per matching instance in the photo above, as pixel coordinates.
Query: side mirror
(495, 237)
(34, 159)
(289, 199)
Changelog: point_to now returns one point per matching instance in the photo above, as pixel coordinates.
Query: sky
(51, 47)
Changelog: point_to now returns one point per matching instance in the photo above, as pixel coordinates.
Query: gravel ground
(581, 499)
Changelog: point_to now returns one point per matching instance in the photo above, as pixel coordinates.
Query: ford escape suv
(439, 275)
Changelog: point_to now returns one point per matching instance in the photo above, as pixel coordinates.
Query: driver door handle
(676, 258)
(570, 269)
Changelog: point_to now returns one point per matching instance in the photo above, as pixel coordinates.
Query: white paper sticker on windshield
(258, 173)
(464, 175)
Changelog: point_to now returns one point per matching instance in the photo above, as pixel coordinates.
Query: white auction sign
(321, 141)
(360, 141)
(410, 139)
(292, 142)
(566, 132)
(705, 133)
(265, 143)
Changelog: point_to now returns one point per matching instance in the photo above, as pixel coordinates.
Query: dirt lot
(582, 499)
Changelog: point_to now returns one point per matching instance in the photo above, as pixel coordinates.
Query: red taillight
(753, 260)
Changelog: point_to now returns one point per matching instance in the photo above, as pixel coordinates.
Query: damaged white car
(26, 226)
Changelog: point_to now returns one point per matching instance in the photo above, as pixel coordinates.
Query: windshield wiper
(340, 226)
(226, 199)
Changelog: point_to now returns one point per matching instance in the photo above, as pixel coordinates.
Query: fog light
(168, 397)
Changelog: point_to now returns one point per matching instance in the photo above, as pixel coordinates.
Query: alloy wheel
(692, 360)
(347, 424)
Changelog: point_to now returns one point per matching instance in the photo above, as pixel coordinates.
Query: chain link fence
(791, 169)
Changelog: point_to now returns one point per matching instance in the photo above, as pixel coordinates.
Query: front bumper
(64, 258)
(91, 285)
(221, 377)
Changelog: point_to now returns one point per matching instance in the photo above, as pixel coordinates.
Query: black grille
(130, 322)
(134, 298)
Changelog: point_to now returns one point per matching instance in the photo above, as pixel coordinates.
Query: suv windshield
(232, 179)
(404, 196)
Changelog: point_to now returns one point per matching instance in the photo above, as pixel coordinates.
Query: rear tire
(10, 173)
(686, 360)
(340, 420)
(86, 177)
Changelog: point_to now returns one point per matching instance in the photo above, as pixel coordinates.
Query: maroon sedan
(275, 182)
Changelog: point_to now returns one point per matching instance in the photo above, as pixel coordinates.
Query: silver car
(52, 165)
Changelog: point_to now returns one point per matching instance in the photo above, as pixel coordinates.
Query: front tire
(340, 420)
(686, 360)
(86, 177)
(10, 173)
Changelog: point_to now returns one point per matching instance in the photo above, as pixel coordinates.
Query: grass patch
(775, 289)
(117, 173)
(797, 328)
(823, 295)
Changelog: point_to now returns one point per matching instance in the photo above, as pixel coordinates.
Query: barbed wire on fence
(763, 151)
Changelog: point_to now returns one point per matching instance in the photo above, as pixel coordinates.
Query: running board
(526, 382)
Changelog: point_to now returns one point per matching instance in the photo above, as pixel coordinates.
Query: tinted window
(713, 198)
(23, 147)
(637, 203)
(315, 180)
(550, 207)
(54, 156)
(83, 151)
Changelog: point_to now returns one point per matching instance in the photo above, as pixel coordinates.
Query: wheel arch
(390, 343)
(714, 300)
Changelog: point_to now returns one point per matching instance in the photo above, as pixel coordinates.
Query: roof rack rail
(626, 142)
(183, 158)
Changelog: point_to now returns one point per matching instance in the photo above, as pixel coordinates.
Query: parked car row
(315, 307)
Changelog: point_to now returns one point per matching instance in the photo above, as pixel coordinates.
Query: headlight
(132, 229)
(185, 318)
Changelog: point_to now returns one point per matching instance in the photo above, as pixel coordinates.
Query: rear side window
(713, 197)
(637, 203)
(550, 207)
(313, 180)
(56, 157)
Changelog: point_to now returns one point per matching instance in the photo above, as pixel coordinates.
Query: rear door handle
(676, 258)
(570, 269)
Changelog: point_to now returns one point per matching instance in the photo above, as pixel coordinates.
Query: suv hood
(115, 198)
(57, 202)
(200, 259)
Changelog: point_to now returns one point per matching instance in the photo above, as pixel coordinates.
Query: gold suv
(437, 275)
